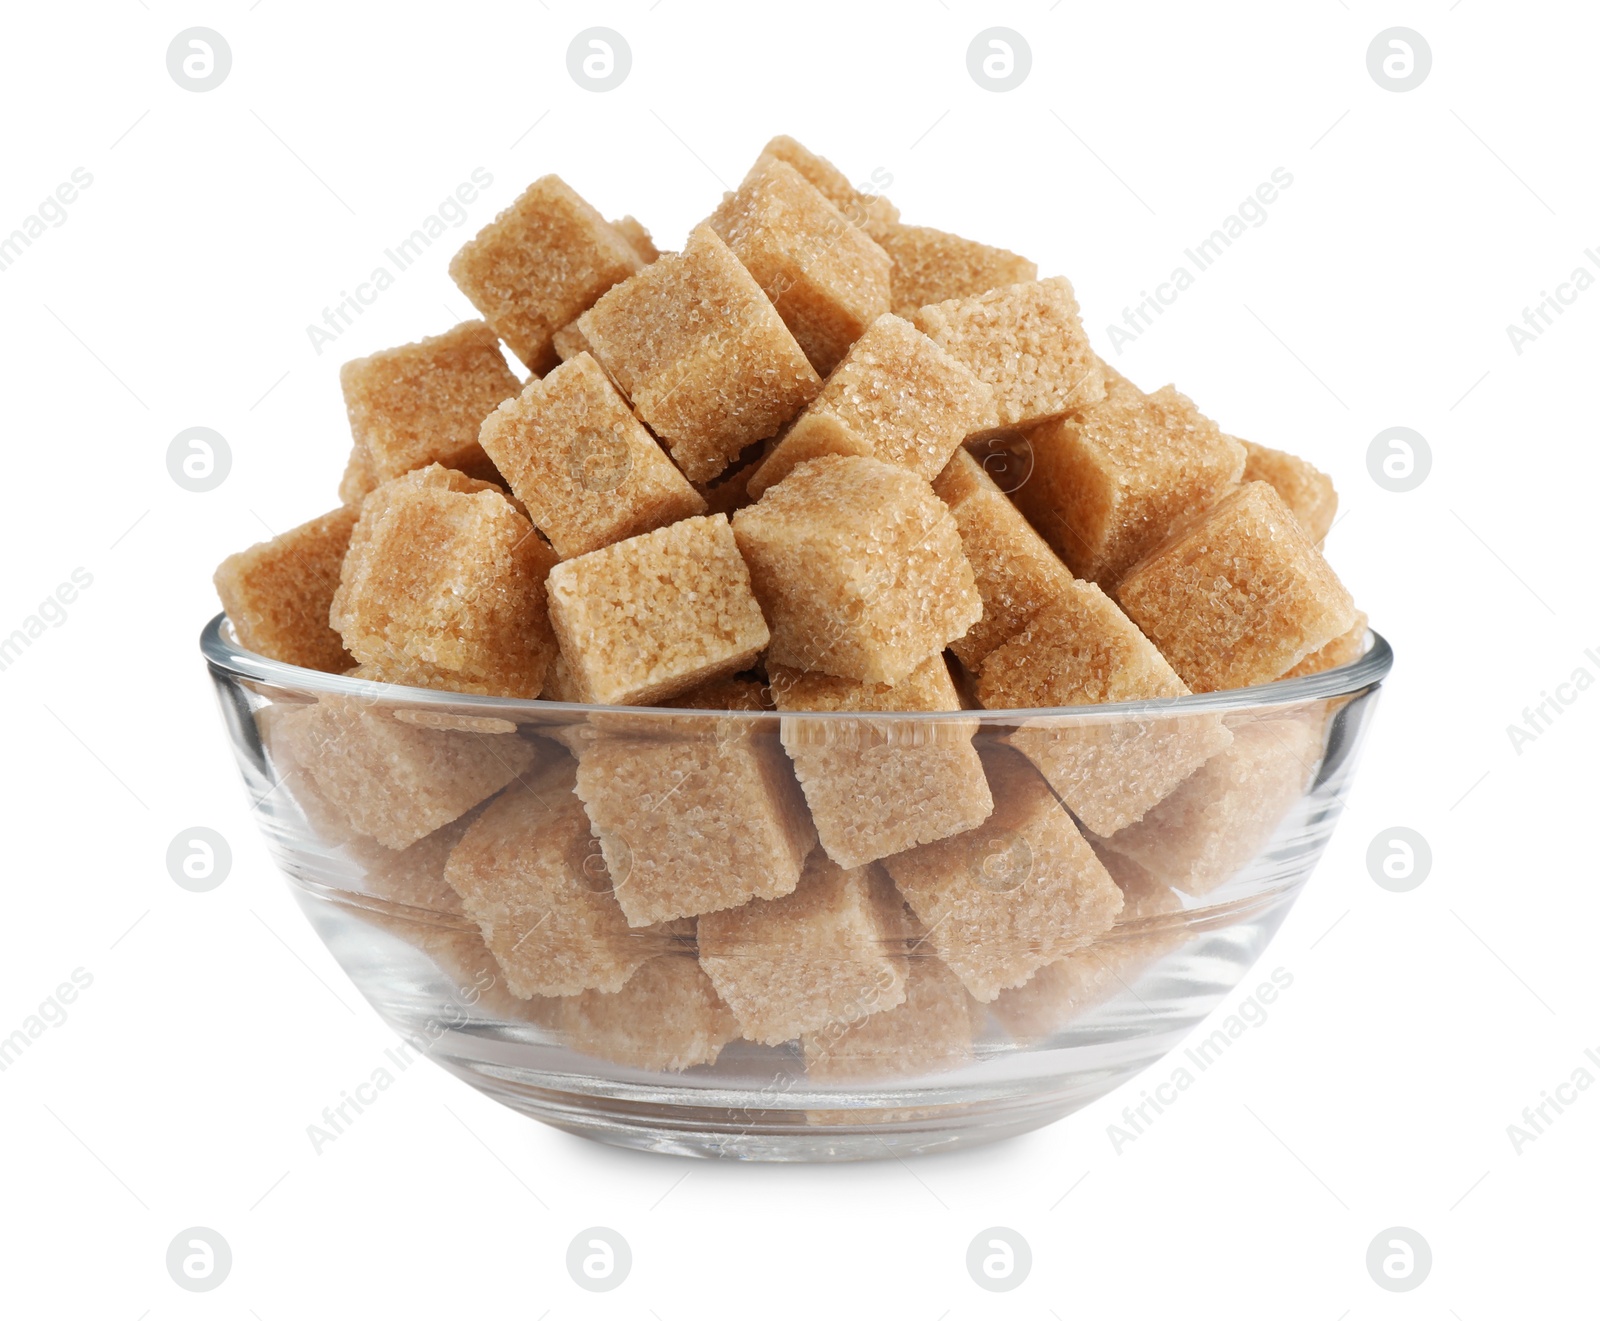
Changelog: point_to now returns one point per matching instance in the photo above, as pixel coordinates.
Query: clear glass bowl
(366, 791)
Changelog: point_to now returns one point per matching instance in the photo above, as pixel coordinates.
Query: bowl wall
(1101, 878)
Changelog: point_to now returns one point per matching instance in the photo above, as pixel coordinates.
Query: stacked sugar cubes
(759, 475)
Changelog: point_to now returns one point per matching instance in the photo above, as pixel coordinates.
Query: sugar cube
(827, 279)
(859, 569)
(531, 875)
(422, 403)
(873, 212)
(896, 396)
(1238, 597)
(357, 481)
(409, 673)
(281, 727)
(1224, 813)
(932, 1029)
(576, 456)
(1111, 481)
(1305, 489)
(656, 615)
(394, 781)
(732, 694)
(638, 238)
(558, 684)
(701, 353)
(1081, 651)
(450, 578)
(702, 816)
(569, 342)
(1147, 928)
(1343, 650)
(414, 877)
(830, 951)
(420, 908)
(1015, 571)
(666, 1019)
(931, 266)
(1078, 650)
(538, 264)
(278, 592)
(877, 787)
(1026, 341)
(1025, 888)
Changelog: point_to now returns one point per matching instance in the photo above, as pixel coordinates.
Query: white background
(177, 294)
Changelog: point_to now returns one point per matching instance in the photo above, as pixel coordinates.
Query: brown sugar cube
(391, 780)
(540, 263)
(932, 1029)
(702, 816)
(413, 877)
(859, 569)
(1079, 650)
(421, 909)
(931, 266)
(281, 727)
(1306, 489)
(896, 396)
(1025, 888)
(569, 342)
(428, 718)
(1016, 572)
(732, 694)
(558, 684)
(454, 946)
(876, 787)
(577, 457)
(638, 238)
(1240, 596)
(408, 673)
(1225, 813)
(451, 579)
(433, 477)
(473, 979)
(1026, 341)
(722, 697)
(422, 403)
(1082, 651)
(871, 211)
(531, 875)
(828, 280)
(1112, 770)
(666, 1019)
(829, 952)
(656, 615)
(277, 593)
(1343, 650)
(702, 355)
(1147, 928)
(357, 481)
(1110, 482)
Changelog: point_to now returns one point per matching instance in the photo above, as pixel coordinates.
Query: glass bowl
(509, 883)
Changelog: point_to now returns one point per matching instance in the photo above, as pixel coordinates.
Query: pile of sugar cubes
(819, 461)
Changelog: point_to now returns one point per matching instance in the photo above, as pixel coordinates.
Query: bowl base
(815, 1135)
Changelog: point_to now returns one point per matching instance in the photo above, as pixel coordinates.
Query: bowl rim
(224, 655)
